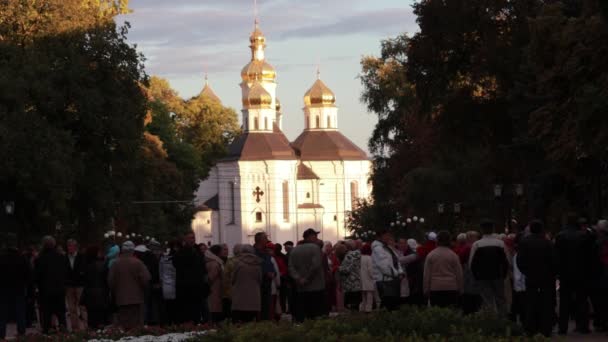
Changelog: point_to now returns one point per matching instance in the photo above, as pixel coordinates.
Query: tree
(70, 87)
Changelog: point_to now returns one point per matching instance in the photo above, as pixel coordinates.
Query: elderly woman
(350, 275)
(246, 282)
(443, 279)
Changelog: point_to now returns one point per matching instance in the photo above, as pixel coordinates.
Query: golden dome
(257, 37)
(258, 71)
(278, 105)
(319, 95)
(258, 97)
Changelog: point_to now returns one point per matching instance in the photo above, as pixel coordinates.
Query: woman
(215, 270)
(405, 259)
(443, 279)
(368, 287)
(246, 282)
(95, 294)
(227, 280)
(350, 275)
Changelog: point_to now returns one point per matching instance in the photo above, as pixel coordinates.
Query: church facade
(267, 183)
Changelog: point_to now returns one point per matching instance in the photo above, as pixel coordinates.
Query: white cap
(141, 248)
(432, 236)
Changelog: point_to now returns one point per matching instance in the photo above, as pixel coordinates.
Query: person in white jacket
(387, 270)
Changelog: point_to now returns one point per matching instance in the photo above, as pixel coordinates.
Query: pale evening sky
(182, 39)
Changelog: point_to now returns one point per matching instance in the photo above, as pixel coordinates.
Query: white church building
(267, 183)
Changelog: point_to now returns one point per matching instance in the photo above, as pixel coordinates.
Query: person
(215, 271)
(95, 294)
(306, 269)
(261, 240)
(75, 280)
(167, 275)
(489, 264)
(281, 260)
(288, 284)
(350, 274)
(575, 250)
(387, 271)
(151, 310)
(471, 300)
(518, 304)
(227, 280)
(190, 280)
(405, 259)
(127, 280)
(51, 272)
(368, 286)
(275, 285)
(537, 261)
(246, 281)
(13, 287)
(443, 279)
(429, 245)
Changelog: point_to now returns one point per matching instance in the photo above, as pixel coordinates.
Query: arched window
(266, 123)
(306, 122)
(318, 122)
(328, 122)
(256, 124)
(285, 201)
(354, 193)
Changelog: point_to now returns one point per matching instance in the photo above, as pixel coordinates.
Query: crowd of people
(529, 276)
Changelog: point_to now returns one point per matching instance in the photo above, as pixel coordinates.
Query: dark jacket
(190, 274)
(75, 276)
(536, 260)
(96, 293)
(488, 259)
(128, 279)
(576, 255)
(17, 273)
(51, 273)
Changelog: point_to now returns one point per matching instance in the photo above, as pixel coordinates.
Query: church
(267, 183)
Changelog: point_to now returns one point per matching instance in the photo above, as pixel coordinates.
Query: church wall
(207, 188)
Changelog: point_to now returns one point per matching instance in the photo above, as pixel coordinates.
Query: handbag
(390, 286)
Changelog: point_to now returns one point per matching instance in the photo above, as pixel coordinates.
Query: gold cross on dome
(258, 193)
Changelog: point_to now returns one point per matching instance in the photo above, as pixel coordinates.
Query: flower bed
(145, 334)
(408, 324)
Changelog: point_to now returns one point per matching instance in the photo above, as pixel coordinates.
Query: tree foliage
(489, 92)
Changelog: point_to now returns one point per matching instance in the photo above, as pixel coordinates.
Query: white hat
(128, 246)
(432, 236)
(141, 248)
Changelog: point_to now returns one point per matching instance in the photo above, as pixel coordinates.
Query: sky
(184, 39)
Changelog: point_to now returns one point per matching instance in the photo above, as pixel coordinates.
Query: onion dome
(257, 37)
(319, 95)
(278, 105)
(208, 92)
(258, 70)
(257, 97)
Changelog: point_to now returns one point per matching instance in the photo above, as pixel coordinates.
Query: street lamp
(9, 207)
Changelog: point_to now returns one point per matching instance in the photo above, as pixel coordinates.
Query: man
(537, 262)
(489, 264)
(268, 273)
(306, 270)
(13, 287)
(288, 247)
(51, 272)
(128, 279)
(288, 284)
(190, 280)
(577, 260)
(76, 267)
